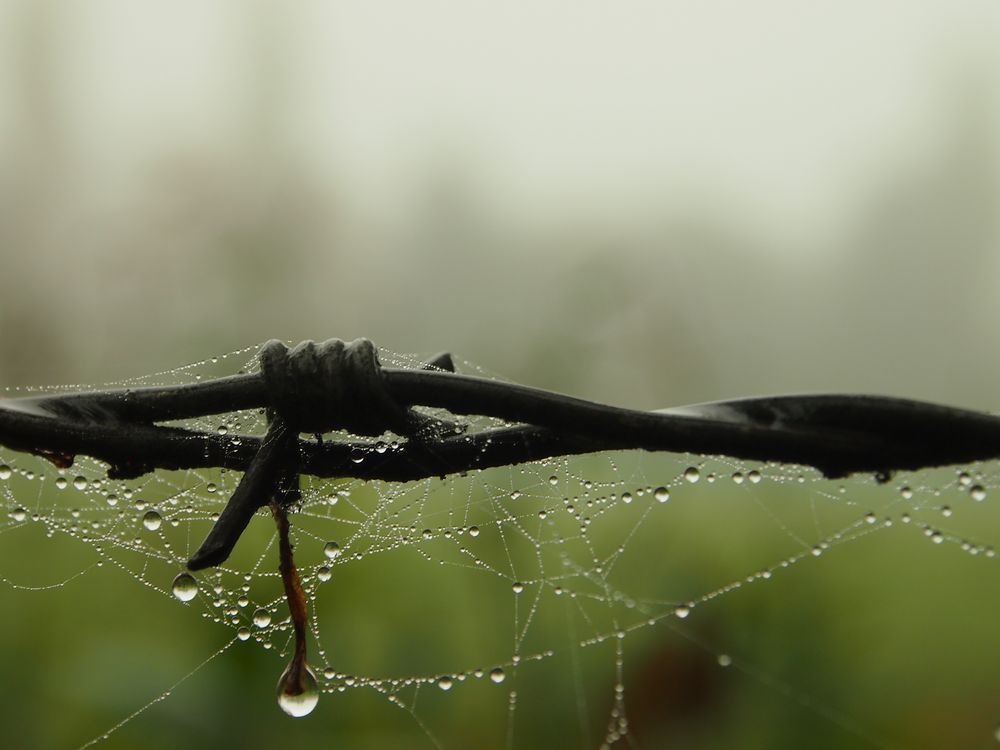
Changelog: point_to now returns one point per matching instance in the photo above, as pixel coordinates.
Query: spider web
(620, 599)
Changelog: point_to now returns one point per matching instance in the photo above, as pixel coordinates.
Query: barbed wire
(837, 434)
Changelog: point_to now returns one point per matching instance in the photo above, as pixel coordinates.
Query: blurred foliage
(879, 641)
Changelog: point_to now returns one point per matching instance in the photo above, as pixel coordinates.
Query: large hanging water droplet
(445, 682)
(80, 483)
(301, 698)
(497, 675)
(4, 471)
(331, 550)
(152, 520)
(692, 474)
(184, 587)
(261, 618)
(662, 494)
(19, 514)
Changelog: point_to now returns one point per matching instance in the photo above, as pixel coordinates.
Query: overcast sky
(777, 110)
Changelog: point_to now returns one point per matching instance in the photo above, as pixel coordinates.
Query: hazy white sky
(776, 110)
(775, 105)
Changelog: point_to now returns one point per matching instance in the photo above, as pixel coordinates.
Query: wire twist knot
(331, 386)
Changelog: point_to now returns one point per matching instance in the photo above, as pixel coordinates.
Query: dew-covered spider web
(619, 599)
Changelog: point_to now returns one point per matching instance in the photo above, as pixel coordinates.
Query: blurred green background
(644, 203)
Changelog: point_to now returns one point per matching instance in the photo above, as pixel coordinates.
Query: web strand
(556, 593)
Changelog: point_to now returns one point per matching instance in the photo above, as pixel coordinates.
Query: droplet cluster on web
(545, 538)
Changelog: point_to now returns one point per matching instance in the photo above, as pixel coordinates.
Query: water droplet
(381, 447)
(497, 675)
(905, 492)
(61, 483)
(152, 520)
(626, 497)
(210, 488)
(4, 471)
(937, 537)
(331, 550)
(725, 660)
(977, 493)
(80, 483)
(738, 477)
(261, 618)
(692, 474)
(427, 534)
(682, 611)
(357, 455)
(754, 477)
(964, 479)
(662, 494)
(870, 518)
(243, 634)
(518, 587)
(184, 587)
(553, 480)
(324, 573)
(298, 697)
(19, 514)
(515, 495)
(445, 682)
(473, 531)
